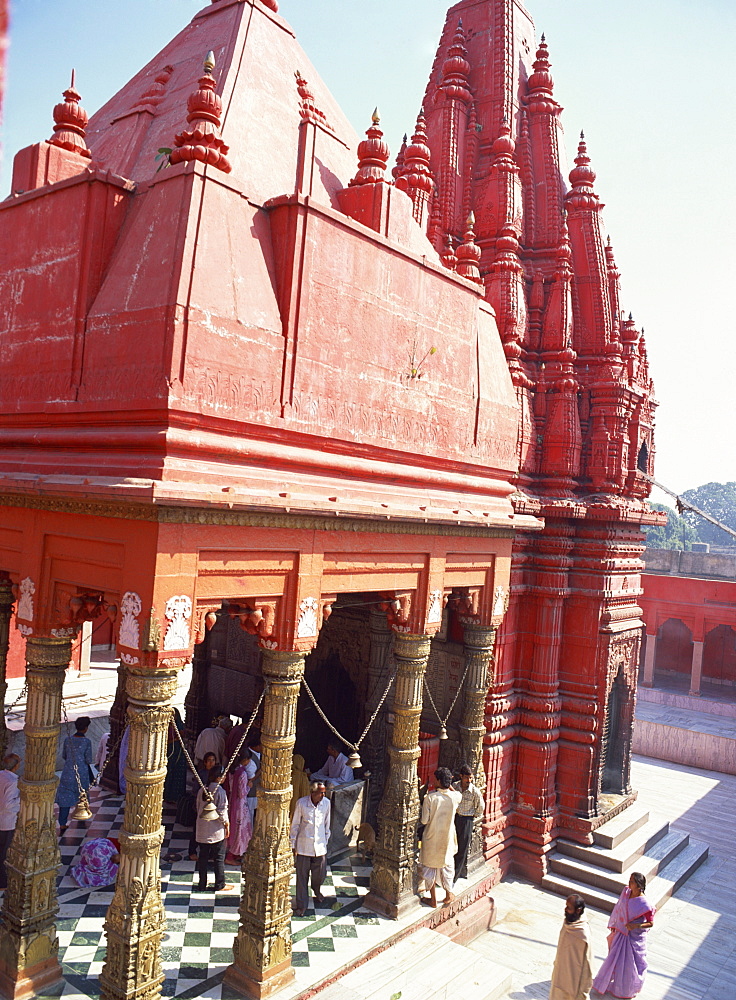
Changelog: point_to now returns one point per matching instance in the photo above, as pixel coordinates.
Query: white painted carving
(269, 644)
(64, 633)
(499, 603)
(25, 599)
(25, 629)
(130, 631)
(434, 614)
(129, 659)
(306, 626)
(178, 613)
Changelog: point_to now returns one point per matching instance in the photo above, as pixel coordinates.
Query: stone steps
(424, 964)
(627, 843)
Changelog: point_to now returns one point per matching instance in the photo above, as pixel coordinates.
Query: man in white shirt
(9, 808)
(310, 833)
(470, 809)
(335, 770)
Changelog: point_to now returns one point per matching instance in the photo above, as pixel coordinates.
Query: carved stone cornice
(172, 514)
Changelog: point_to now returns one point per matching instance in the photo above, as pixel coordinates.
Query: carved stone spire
(449, 258)
(70, 123)
(541, 84)
(415, 176)
(468, 254)
(399, 168)
(202, 141)
(455, 69)
(582, 178)
(373, 154)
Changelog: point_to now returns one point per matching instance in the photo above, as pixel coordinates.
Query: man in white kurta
(439, 840)
(335, 770)
(572, 976)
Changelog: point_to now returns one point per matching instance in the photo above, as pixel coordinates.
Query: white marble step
(649, 864)
(669, 878)
(611, 833)
(625, 853)
(425, 965)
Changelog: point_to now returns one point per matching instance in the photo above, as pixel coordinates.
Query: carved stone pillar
(479, 647)
(118, 720)
(394, 876)
(28, 942)
(262, 949)
(135, 919)
(6, 611)
(373, 748)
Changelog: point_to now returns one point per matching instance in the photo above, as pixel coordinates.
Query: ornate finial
(399, 168)
(582, 175)
(541, 84)
(308, 107)
(415, 176)
(202, 141)
(449, 258)
(376, 116)
(455, 69)
(70, 123)
(155, 93)
(272, 5)
(468, 253)
(373, 154)
(504, 147)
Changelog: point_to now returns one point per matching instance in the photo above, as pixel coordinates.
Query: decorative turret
(398, 169)
(449, 257)
(308, 109)
(373, 154)
(203, 141)
(153, 96)
(614, 277)
(540, 83)
(542, 177)
(415, 176)
(582, 179)
(468, 254)
(455, 70)
(71, 121)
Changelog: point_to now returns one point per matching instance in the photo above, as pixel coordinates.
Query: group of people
(624, 968)
(446, 830)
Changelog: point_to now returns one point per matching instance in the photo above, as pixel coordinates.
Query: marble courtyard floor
(692, 947)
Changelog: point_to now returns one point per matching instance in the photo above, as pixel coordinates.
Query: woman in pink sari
(622, 973)
(241, 828)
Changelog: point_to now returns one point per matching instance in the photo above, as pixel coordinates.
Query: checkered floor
(197, 946)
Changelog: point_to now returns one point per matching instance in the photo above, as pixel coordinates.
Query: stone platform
(684, 736)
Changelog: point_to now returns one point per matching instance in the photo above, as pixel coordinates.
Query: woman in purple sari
(241, 828)
(622, 973)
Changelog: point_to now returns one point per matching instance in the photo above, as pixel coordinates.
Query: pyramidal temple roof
(257, 58)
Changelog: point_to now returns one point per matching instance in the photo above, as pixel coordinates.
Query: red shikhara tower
(256, 377)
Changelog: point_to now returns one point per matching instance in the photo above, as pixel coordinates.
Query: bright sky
(650, 82)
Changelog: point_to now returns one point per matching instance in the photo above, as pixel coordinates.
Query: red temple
(286, 387)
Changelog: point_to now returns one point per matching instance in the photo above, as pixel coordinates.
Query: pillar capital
(412, 647)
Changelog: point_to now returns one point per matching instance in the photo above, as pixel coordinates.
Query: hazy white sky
(650, 82)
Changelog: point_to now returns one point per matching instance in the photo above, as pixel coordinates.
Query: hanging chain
(111, 753)
(19, 699)
(443, 722)
(352, 746)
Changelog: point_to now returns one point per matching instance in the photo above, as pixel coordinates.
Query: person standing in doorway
(439, 840)
(572, 974)
(470, 809)
(9, 809)
(310, 834)
(213, 829)
(77, 770)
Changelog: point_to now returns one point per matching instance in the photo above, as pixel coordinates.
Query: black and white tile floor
(197, 946)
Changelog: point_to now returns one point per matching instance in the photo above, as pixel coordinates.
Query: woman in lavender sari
(241, 828)
(622, 973)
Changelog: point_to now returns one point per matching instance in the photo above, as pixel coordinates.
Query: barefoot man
(439, 841)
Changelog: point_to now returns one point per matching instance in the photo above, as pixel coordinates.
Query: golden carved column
(394, 877)
(479, 641)
(28, 942)
(262, 949)
(6, 612)
(135, 919)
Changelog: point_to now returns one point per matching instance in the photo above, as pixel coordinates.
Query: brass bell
(354, 760)
(443, 732)
(81, 811)
(209, 811)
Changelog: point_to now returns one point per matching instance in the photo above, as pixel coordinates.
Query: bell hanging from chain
(354, 759)
(443, 732)
(209, 811)
(81, 811)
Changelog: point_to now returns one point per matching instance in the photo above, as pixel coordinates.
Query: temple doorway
(614, 781)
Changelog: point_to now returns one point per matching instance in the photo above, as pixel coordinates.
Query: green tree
(718, 500)
(676, 534)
